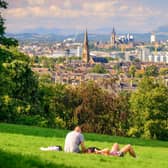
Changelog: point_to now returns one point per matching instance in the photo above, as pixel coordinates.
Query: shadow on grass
(11, 160)
(45, 132)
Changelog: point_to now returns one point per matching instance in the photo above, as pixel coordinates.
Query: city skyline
(126, 15)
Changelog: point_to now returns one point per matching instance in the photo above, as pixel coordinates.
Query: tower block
(85, 53)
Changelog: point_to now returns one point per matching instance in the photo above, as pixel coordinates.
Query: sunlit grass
(19, 147)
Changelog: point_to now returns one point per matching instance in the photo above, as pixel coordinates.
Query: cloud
(126, 14)
(16, 13)
(68, 4)
(36, 2)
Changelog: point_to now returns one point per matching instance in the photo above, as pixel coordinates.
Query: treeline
(24, 99)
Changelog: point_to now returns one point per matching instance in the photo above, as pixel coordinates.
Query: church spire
(113, 37)
(85, 54)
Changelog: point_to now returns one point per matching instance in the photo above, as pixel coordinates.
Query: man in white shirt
(73, 140)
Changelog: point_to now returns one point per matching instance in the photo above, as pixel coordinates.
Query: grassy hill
(19, 147)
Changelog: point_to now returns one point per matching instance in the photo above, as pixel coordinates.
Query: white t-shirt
(72, 141)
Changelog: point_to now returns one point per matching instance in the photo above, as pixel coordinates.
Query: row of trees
(25, 99)
(150, 71)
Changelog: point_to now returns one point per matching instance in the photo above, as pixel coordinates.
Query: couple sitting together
(74, 139)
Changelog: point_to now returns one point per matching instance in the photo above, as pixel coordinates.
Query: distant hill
(162, 29)
(58, 37)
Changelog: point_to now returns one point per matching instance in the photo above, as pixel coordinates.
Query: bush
(133, 132)
(35, 120)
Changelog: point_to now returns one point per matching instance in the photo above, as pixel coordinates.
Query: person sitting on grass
(116, 151)
(73, 140)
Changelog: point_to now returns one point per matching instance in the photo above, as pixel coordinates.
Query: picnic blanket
(51, 148)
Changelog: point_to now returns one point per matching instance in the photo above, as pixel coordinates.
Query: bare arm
(83, 147)
(105, 151)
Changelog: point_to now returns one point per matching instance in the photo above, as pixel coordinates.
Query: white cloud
(36, 2)
(126, 14)
(16, 13)
(67, 4)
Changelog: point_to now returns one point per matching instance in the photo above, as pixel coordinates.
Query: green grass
(19, 147)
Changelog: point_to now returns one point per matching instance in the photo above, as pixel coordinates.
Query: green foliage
(132, 70)
(3, 4)
(98, 68)
(117, 68)
(8, 42)
(100, 111)
(152, 71)
(149, 109)
(163, 71)
(35, 120)
(45, 78)
(47, 62)
(4, 40)
(18, 85)
(70, 58)
(2, 27)
(58, 103)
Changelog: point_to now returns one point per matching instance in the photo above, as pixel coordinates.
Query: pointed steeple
(85, 54)
(113, 31)
(113, 37)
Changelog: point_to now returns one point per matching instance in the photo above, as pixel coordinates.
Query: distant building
(163, 58)
(79, 51)
(145, 54)
(85, 53)
(113, 38)
(151, 58)
(153, 38)
(94, 60)
(156, 58)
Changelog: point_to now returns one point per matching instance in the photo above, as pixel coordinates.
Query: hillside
(19, 147)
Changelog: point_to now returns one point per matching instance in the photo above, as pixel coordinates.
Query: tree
(3, 4)
(18, 85)
(4, 40)
(149, 110)
(163, 71)
(101, 111)
(152, 71)
(117, 67)
(132, 70)
(9, 42)
(58, 103)
(98, 68)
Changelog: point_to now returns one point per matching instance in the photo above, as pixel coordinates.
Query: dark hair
(59, 147)
(92, 149)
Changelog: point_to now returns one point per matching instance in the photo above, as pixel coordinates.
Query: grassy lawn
(19, 147)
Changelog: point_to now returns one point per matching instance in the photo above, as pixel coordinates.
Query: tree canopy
(149, 110)
(5, 40)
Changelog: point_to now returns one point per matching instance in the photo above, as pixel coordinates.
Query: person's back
(73, 140)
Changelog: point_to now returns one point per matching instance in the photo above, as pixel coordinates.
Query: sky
(75, 15)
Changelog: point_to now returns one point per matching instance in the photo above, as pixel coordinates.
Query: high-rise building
(151, 58)
(144, 55)
(163, 58)
(153, 38)
(85, 53)
(113, 38)
(79, 51)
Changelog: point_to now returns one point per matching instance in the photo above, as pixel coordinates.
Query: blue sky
(76, 15)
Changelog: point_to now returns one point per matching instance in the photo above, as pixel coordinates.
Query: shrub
(35, 120)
